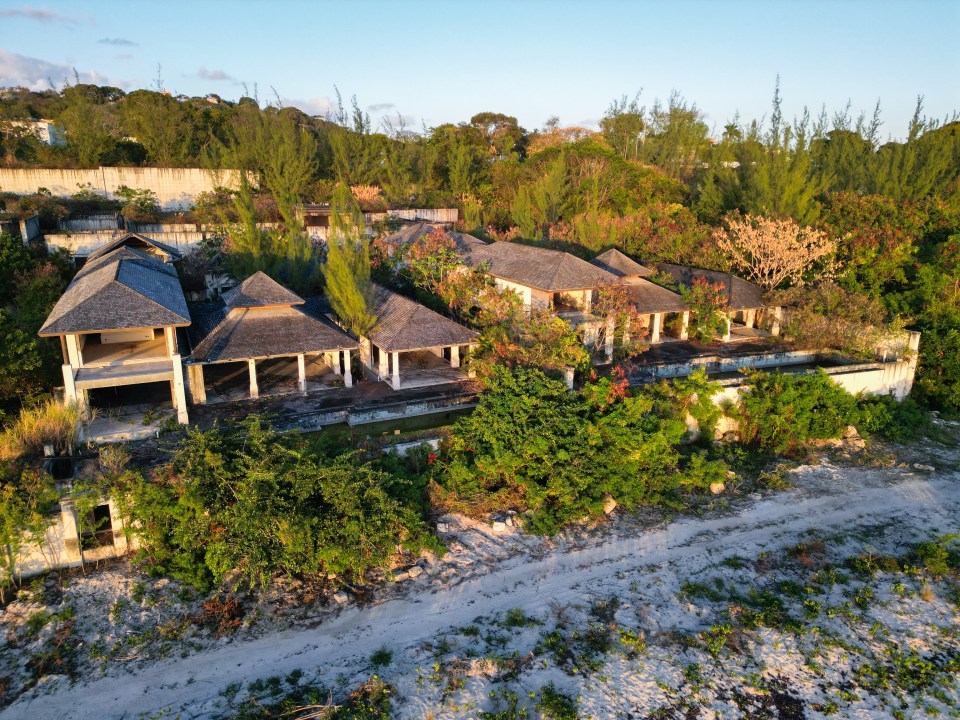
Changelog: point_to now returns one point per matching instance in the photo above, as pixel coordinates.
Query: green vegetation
(650, 183)
(559, 456)
(240, 504)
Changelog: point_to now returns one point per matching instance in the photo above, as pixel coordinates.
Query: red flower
(433, 456)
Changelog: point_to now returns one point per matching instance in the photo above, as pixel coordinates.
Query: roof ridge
(148, 299)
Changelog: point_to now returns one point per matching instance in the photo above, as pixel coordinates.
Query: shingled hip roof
(119, 290)
(403, 325)
(648, 297)
(252, 333)
(134, 239)
(739, 293)
(547, 270)
(260, 290)
(616, 262)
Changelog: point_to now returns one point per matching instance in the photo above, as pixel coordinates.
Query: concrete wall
(175, 188)
(82, 244)
(892, 377)
(60, 547)
(436, 215)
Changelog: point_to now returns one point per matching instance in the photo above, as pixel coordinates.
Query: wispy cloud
(380, 107)
(116, 41)
(40, 15)
(37, 74)
(123, 56)
(314, 106)
(215, 75)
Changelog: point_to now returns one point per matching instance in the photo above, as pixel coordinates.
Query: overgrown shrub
(242, 504)
(781, 412)
(38, 424)
(898, 421)
(535, 446)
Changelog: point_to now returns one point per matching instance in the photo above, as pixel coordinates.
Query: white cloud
(116, 41)
(380, 107)
(40, 15)
(314, 106)
(215, 75)
(37, 74)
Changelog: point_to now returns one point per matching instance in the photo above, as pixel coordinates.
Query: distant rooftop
(548, 270)
(739, 293)
(621, 265)
(140, 242)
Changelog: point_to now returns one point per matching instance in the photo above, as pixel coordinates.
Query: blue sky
(443, 61)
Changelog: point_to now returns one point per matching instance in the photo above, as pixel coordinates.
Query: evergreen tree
(347, 271)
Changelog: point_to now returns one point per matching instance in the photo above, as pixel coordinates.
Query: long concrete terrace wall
(176, 188)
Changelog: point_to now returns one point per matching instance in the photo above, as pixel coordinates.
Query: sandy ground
(453, 640)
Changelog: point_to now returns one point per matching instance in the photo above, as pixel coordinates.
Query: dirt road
(826, 499)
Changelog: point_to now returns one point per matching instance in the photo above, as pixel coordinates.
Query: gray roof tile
(739, 294)
(616, 262)
(242, 333)
(548, 270)
(403, 324)
(136, 239)
(260, 290)
(121, 289)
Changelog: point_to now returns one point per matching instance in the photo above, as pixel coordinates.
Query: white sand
(489, 573)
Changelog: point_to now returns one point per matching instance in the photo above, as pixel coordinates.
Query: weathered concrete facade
(176, 188)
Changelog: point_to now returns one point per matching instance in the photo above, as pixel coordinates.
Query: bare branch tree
(772, 251)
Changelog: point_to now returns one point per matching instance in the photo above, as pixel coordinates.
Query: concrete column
(198, 390)
(383, 364)
(750, 318)
(302, 373)
(347, 376)
(587, 301)
(396, 370)
(455, 356)
(71, 533)
(69, 384)
(726, 334)
(254, 388)
(438, 351)
(73, 351)
(655, 321)
(775, 315)
(568, 377)
(171, 337)
(685, 328)
(608, 338)
(179, 395)
(334, 362)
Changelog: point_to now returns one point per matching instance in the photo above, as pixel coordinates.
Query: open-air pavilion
(260, 338)
(749, 316)
(411, 345)
(652, 302)
(117, 323)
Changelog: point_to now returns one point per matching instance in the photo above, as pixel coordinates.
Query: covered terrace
(260, 338)
(412, 342)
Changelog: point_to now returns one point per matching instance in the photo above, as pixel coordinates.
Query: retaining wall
(175, 188)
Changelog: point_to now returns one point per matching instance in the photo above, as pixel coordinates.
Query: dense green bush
(890, 419)
(780, 411)
(244, 503)
(535, 446)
